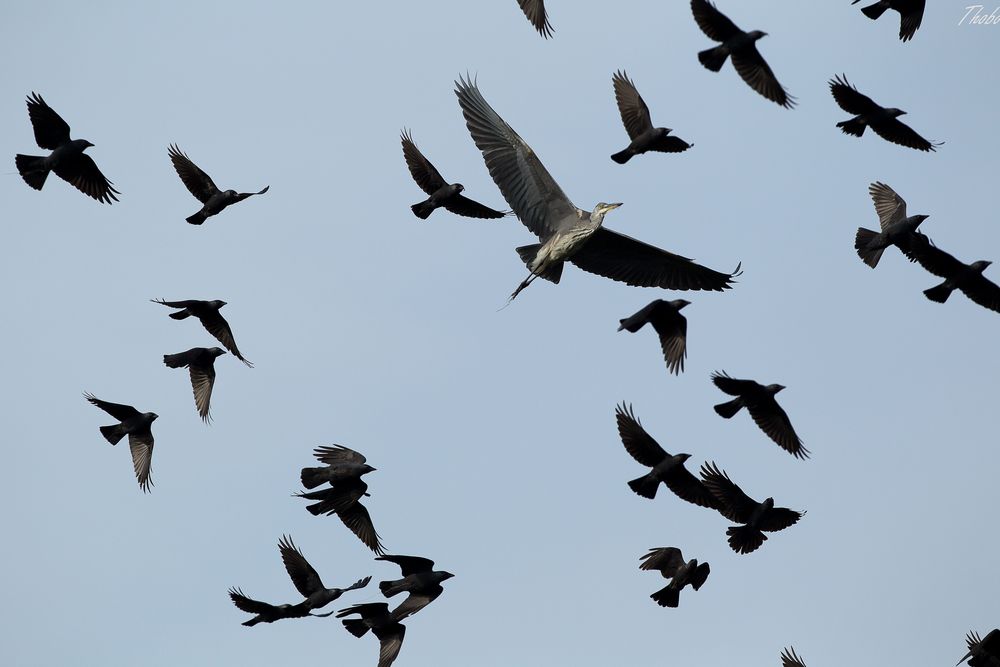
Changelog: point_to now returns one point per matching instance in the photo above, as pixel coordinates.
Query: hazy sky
(493, 432)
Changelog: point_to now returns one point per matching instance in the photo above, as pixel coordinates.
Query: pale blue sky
(493, 432)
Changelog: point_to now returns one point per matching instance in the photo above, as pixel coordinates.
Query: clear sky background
(493, 432)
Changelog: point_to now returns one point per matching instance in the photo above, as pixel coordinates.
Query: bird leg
(527, 281)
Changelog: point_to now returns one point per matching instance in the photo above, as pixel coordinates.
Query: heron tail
(552, 272)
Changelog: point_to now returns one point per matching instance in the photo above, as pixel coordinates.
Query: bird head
(774, 388)
(231, 193)
(768, 503)
(87, 144)
(680, 303)
(895, 113)
(444, 575)
(683, 457)
(217, 304)
(367, 469)
(217, 351)
(600, 210)
(459, 187)
(756, 34)
(152, 416)
(981, 265)
(917, 219)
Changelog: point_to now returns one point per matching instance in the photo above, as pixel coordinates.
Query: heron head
(603, 208)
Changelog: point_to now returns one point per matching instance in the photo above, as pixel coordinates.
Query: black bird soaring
(203, 187)
(567, 232)
(213, 321)
(66, 159)
(442, 194)
(896, 228)
(790, 659)
(375, 616)
(884, 122)
(749, 64)
(982, 652)
(268, 613)
(136, 425)
(307, 580)
(344, 500)
(911, 13)
(342, 464)
(535, 11)
(639, 124)
(200, 361)
(740, 508)
(967, 278)
(670, 326)
(420, 580)
(764, 410)
(665, 468)
(671, 564)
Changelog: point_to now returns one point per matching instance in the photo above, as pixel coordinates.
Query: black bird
(639, 125)
(670, 326)
(911, 13)
(375, 616)
(982, 652)
(967, 278)
(764, 410)
(896, 228)
(884, 122)
(200, 361)
(307, 580)
(420, 580)
(665, 468)
(342, 464)
(569, 233)
(66, 159)
(535, 11)
(213, 321)
(136, 425)
(790, 659)
(344, 500)
(442, 193)
(671, 564)
(268, 613)
(749, 64)
(203, 187)
(740, 508)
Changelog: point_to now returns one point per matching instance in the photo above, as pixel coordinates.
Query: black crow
(884, 122)
(342, 464)
(896, 228)
(671, 564)
(344, 500)
(911, 13)
(203, 187)
(375, 616)
(764, 410)
(200, 361)
(420, 580)
(670, 326)
(213, 321)
(66, 159)
(268, 613)
(136, 425)
(967, 278)
(639, 125)
(307, 580)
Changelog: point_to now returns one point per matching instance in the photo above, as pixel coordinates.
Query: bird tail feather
(356, 627)
(729, 408)
(423, 210)
(552, 273)
(866, 251)
(180, 314)
(667, 597)
(196, 219)
(939, 294)
(875, 11)
(714, 58)
(622, 157)
(31, 170)
(113, 434)
(645, 486)
(252, 622)
(745, 539)
(174, 360)
(312, 477)
(853, 127)
(390, 588)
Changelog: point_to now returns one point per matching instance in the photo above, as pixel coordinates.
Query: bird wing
(535, 11)
(736, 505)
(82, 173)
(752, 67)
(116, 410)
(732, 386)
(633, 110)
(849, 98)
(933, 259)
(414, 602)
(243, 603)
(639, 444)
(665, 559)
(671, 327)
(902, 134)
(356, 518)
(409, 564)
(391, 640)
(700, 575)
(909, 20)
(790, 659)
(983, 291)
(141, 446)
(421, 169)
(633, 262)
(51, 131)
(462, 205)
(890, 207)
(687, 487)
(712, 22)
(217, 325)
(197, 182)
(176, 304)
(338, 454)
(774, 422)
(529, 189)
(243, 195)
(779, 518)
(305, 578)
(202, 381)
